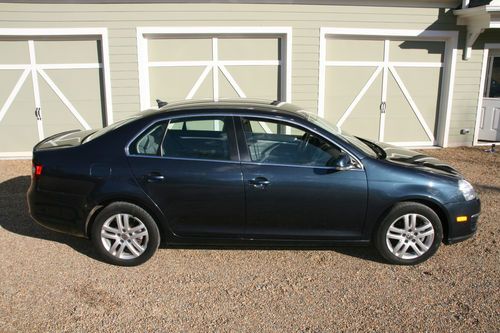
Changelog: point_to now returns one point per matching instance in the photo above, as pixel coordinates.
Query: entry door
(47, 87)
(290, 190)
(490, 114)
(385, 90)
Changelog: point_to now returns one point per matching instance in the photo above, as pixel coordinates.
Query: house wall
(121, 21)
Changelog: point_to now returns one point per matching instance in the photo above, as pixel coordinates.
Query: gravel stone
(52, 282)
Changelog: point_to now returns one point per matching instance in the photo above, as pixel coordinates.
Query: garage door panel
(365, 116)
(354, 50)
(175, 83)
(88, 103)
(67, 51)
(401, 122)
(226, 89)
(249, 48)
(180, 49)
(402, 104)
(18, 128)
(257, 81)
(343, 85)
(417, 51)
(424, 85)
(14, 52)
(56, 116)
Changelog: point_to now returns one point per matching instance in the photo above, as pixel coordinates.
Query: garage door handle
(155, 178)
(383, 107)
(37, 114)
(259, 182)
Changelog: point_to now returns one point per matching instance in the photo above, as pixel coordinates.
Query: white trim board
(487, 48)
(145, 33)
(449, 37)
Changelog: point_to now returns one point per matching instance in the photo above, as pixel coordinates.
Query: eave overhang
(477, 19)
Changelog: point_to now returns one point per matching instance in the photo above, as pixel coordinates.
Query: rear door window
(198, 138)
(149, 142)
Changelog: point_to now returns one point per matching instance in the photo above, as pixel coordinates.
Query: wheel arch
(435, 206)
(104, 202)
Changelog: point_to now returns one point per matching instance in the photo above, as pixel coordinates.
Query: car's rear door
(190, 168)
(291, 191)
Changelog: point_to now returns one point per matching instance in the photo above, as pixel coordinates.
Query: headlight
(466, 189)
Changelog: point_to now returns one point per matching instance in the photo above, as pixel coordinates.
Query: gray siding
(306, 20)
(466, 95)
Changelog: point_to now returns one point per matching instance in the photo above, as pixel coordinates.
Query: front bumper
(459, 231)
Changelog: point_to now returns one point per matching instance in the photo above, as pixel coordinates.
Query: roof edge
(383, 3)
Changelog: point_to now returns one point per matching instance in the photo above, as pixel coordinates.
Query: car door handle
(259, 182)
(155, 177)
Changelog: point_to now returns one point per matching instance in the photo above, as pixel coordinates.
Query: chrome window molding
(358, 164)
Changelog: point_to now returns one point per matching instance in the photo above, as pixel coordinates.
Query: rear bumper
(60, 212)
(460, 231)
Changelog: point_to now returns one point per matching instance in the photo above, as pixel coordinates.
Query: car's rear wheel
(125, 234)
(410, 234)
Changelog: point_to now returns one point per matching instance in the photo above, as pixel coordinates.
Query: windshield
(109, 128)
(326, 125)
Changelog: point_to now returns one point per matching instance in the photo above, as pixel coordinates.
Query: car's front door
(189, 167)
(293, 189)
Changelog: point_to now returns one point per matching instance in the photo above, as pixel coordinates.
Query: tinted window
(197, 137)
(279, 143)
(149, 142)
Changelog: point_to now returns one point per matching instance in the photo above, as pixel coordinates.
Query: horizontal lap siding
(122, 20)
(466, 95)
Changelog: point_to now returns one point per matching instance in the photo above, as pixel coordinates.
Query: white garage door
(212, 66)
(385, 89)
(48, 86)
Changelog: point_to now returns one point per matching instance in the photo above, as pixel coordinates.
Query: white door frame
(33, 34)
(482, 87)
(449, 37)
(144, 64)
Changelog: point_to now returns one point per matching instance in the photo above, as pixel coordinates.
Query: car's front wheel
(125, 234)
(410, 234)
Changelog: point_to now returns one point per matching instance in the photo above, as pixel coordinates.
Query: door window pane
(149, 142)
(494, 79)
(198, 137)
(279, 143)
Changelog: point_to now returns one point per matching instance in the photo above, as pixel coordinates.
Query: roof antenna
(160, 103)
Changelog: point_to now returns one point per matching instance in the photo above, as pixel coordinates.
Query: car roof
(276, 107)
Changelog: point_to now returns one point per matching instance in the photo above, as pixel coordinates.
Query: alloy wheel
(124, 236)
(410, 236)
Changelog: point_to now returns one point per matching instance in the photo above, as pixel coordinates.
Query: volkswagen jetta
(240, 172)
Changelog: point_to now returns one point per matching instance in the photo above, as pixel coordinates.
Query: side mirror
(342, 163)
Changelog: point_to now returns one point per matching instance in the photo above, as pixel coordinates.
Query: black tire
(396, 215)
(149, 242)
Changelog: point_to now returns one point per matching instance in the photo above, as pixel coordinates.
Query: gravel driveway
(52, 282)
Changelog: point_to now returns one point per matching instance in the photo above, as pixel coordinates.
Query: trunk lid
(63, 140)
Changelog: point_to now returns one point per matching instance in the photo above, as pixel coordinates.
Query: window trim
(245, 156)
(231, 135)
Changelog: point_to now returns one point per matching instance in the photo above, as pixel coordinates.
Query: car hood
(417, 160)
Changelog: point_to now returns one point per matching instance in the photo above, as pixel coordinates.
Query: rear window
(109, 128)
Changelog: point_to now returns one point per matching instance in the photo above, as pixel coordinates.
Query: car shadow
(15, 218)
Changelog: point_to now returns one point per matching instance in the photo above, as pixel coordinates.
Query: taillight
(36, 170)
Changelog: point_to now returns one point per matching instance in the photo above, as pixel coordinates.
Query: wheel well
(438, 210)
(98, 208)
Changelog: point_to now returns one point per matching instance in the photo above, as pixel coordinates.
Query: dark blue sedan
(244, 172)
